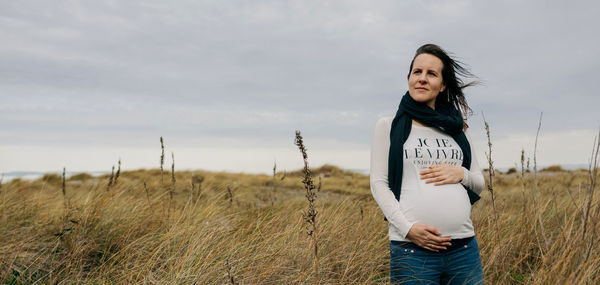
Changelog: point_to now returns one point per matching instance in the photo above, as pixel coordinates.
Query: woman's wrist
(464, 179)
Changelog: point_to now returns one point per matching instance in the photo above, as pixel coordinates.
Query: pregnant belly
(445, 207)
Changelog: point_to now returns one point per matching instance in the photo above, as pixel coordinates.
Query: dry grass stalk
(111, 178)
(64, 193)
(282, 175)
(147, 192)
(592, 175)
(522, 176)
(361, 212)
(229, 274)
(172, 188)
(118, 172)
(310, 214)
(230, 195)
(592, 172)
(197, 179)
(114, 177)
(319, 185)
(162, 162)
(492, 173)
(274, 182)
(192, 188)
(536, 189)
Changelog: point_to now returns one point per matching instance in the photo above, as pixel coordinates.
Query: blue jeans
(411, 264)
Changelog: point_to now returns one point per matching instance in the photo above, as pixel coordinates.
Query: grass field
(223, 228)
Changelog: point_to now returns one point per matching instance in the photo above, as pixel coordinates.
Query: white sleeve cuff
(466, 178)
(405, 233)
(474, 181)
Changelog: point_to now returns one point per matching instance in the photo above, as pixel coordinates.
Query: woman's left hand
(443, 174)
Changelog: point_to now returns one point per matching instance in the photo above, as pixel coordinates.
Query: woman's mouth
(421, 88)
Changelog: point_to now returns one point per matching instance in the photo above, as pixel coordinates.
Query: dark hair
(454, 85)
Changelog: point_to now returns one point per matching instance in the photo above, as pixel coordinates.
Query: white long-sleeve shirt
(445, 207)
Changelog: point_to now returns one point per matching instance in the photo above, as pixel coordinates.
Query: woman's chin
(422, 99)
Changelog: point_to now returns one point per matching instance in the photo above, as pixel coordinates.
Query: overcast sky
(226, 83)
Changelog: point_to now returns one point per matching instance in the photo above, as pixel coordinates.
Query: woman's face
(425, 81)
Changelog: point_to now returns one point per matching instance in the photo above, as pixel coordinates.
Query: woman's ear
(443, 87)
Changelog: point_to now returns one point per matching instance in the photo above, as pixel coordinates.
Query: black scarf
(445, 117)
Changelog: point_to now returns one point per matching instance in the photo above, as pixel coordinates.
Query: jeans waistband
(456, 243)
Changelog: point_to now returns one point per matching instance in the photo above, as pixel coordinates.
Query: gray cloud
(127, 72)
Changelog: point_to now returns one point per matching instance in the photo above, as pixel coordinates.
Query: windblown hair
(454, 84)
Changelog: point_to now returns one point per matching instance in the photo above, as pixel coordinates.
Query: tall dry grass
(310, 215)
(241, 229)
(122, 236)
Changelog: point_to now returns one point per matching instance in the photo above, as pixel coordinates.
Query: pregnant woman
(425, 176)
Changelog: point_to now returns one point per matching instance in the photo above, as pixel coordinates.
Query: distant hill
(32, 175)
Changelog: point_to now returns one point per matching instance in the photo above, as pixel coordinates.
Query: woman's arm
(441, 174)
(423, 235)
(380, 188)
(473, 178)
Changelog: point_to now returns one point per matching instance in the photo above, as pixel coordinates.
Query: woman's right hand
(427, 237)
